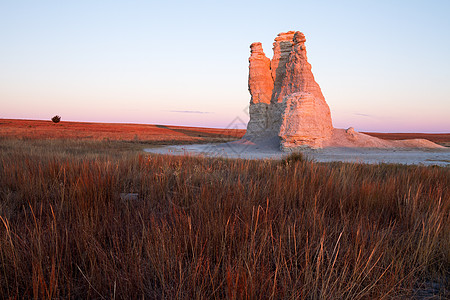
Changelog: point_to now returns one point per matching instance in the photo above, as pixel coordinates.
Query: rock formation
(286, 100)
(288, 108)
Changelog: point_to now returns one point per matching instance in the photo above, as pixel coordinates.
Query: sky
(382, 65)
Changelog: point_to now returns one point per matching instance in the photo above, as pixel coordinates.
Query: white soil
(342, 146)
(341, 138)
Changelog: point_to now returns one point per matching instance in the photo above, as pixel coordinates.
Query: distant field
(159, 134)
(154, 134)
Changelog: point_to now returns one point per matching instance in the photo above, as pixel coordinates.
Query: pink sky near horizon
(382, 66)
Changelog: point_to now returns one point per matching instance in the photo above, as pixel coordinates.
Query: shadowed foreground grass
(215, 228)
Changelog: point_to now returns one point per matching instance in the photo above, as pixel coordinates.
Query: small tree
(56, 119)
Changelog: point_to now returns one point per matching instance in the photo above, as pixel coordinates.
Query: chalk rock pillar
(286, 100)
(306, 117)
(260, 86)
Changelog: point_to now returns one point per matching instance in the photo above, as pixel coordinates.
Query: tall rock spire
(298, 76)
(282, 48)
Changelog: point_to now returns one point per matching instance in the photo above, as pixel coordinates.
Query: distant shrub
(56, 119)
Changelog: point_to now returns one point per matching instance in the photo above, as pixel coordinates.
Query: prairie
(154, 134)
(209, 227)
(157, 134)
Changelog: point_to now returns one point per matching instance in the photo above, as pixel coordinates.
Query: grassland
(154, 134)
(141, 133)
(214, 228)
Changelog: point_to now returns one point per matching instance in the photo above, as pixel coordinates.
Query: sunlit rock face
(296, 111)
(260, 82)
(260, 86)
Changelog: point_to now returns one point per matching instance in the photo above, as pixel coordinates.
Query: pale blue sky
(382, 65)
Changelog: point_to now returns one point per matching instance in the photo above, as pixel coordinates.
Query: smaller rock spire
(260, 83)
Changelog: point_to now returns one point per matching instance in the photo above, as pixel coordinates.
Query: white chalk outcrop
(287, 104)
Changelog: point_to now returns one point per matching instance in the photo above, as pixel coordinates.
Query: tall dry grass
(216, 228)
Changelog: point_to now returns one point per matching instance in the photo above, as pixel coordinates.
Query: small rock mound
(351, 138)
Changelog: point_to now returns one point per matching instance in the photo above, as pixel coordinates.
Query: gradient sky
(382, 65)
